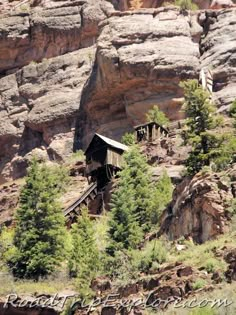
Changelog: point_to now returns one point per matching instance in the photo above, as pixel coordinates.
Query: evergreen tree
(137, 174)
(84, 258)
(131, 202)
(124, 230)
(40, 226)
(128, 139)
(201, 120)
(162, 194)
(156, 115)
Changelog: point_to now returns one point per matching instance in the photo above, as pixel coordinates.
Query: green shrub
(161, 196)
(199, 284)
(7, 249)
(211, 265)
(156, 115)
(152, 255)
(186, 5)
(128, 139)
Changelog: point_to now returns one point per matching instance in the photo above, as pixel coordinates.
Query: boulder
(198, 209)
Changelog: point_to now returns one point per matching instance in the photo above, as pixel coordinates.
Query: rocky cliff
(70, 68)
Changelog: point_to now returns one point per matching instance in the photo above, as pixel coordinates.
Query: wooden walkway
(89, 194)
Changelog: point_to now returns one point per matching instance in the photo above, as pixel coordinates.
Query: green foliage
(126, 265)
(128, 139)
(211, 265)
(84, 259)
(137, 202)
(201, 120)
(203, 311)
(199, 284)
(186, 5)
(225, 153)
(124, 230)
(7, 250)
(121, 268)
(233, 109)
(152, 255)
(156, 115)
(161, 196)
(40, 226)
(232, 113)
(131, 202)
(232, 208)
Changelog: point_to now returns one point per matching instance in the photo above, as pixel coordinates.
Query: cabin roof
(149, 124)
(112, 143)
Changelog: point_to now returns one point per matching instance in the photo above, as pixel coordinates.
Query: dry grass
(49, 286)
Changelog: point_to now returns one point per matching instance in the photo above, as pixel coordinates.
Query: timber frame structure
(103, 161)
(150, 131)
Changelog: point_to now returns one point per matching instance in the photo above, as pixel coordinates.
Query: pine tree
(128, 139)
(156, 115)
(201, 121)
(131, 202)
(136, 4)
(137, 174)
(84, 258)
(161, 196)
(40, 226)
(124, 230)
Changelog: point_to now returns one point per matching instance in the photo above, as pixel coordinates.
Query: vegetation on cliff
(40, 227)
(208, 145)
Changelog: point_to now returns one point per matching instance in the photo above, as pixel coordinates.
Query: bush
(128, 139)
(7, 250)
(156, 115)
(211, 265)
(186, 5)
(199, 284)
(153, 254)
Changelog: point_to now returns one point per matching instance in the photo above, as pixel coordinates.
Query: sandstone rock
(128, 289)
(101, 284)
(9, 195)
(125, 4)
(39, 107)
(141, 59)
(230, 258)
(184, 271)
(45, 33)
(219, 54)
(197, 209)
(221, 4)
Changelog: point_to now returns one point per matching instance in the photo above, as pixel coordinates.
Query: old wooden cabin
(150, 131)
(103, 159)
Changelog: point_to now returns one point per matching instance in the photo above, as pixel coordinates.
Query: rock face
(141, 59)
(125, 5)
(38, 108)
(219, 52)
(70, 68)
(46, 33)
(198, 209)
